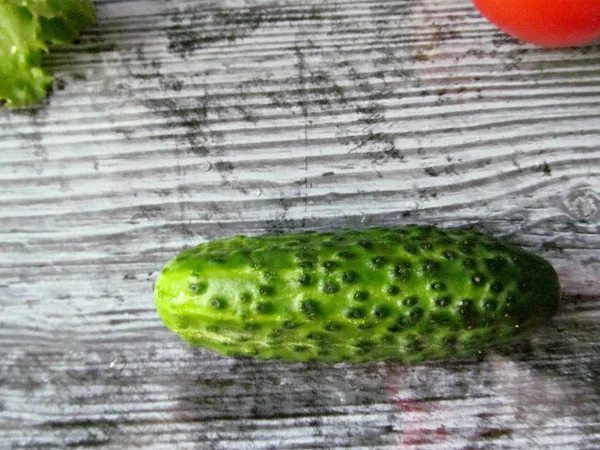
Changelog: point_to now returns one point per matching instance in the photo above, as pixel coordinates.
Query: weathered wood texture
(174, 122)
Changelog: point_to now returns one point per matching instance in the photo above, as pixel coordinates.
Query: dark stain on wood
(222, 25)
(196, 27)
(495, 433)
(224, 166)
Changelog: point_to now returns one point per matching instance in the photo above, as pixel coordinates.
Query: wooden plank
(181, 121)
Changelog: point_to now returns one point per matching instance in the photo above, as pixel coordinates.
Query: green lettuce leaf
(28, 28)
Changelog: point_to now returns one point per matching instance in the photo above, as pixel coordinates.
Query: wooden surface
(174, 122)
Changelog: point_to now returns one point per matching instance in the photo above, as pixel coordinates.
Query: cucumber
(383, 294)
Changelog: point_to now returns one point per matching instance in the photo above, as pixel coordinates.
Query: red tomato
(549, 23)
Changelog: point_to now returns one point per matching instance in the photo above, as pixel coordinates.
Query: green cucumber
(383, 294)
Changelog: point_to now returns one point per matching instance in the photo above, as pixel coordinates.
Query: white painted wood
(175, 122)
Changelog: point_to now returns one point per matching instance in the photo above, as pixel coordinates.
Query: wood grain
(175, 122)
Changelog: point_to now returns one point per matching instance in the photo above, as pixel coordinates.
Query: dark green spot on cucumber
(449, 254)
(245, 297)
(403, 270)
(438, 286)
(198, 288)
(413, 343)
(379, 261)
(365, 325)
(449, 341)
(267, 276)
(382, 311)
(469, 263)
(333, 326)
(364, 346)
(426, 246)
(387, 339)
(497, 287)
(393, 290)
(218, 303)
(350, 277)
(356, 313)
(442, 302)
(305, 280)
(346, 255)
(306, 264)
(496, 265)
(331, 287)
(411, 248)
(490, 304)
(410, 301)
(330, 266)
(430, 268)
(367, 245)
(396, 328)
(265, 308)
(290, 325)
(311, 308)
(318, 338)
(465, 306)
(415, 314)
(361, 296)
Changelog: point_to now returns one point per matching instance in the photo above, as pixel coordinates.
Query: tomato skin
(548, 23)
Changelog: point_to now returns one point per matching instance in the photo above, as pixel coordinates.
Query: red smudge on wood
(407, 405)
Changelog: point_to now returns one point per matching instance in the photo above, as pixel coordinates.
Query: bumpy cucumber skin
(384, 294)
